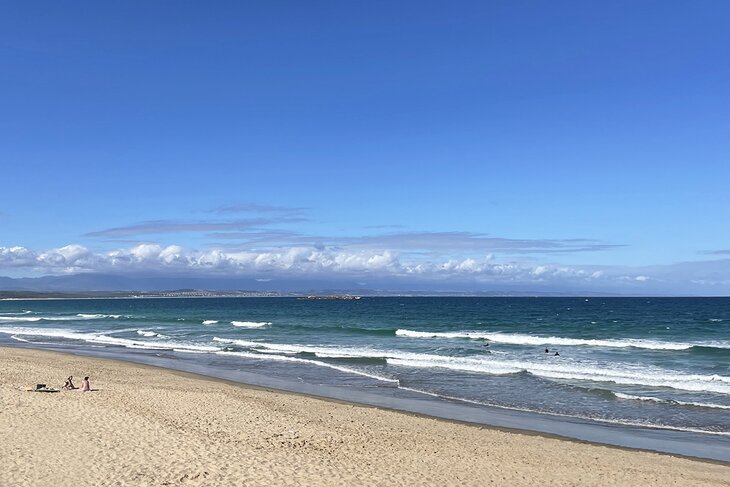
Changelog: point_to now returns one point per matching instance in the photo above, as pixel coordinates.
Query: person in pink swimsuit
(85, 387)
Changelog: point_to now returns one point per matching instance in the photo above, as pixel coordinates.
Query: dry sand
(150, 426)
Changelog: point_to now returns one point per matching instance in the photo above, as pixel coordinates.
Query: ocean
(660, 363)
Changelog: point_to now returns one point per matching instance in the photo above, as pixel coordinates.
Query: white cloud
(374, 265)
(295, 261)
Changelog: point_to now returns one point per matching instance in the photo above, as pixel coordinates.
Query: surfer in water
(547, 351)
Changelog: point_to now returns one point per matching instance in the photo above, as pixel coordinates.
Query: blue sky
(551, 145)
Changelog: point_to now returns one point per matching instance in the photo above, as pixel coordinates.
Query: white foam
(210, 322)
(146, 333)
(284, 358)
(80, 316)
(106, 340)
(19, 318)
(97, 316)
(621, 395)
(620, 373)
(463, 365)
(250, 324)
(322, 352)
(523, 339)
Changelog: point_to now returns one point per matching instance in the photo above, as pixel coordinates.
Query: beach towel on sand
(43, 388)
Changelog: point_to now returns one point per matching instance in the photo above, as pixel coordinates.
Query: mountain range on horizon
(109, 283)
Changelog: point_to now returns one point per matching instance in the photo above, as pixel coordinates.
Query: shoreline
(277, 386)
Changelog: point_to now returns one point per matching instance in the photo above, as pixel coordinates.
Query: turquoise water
(659, 362)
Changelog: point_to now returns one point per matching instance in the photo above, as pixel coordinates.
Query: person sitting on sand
(85, 386)
(69, 385)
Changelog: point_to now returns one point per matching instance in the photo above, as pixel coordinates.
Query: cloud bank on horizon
(439, 261)
(261, 248)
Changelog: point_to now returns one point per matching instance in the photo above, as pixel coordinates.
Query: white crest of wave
(148, 333)
(497, 365)
(210, 322)
(617, 373)
(105, 340)
(524, 339)
(19, 339)
(250, 324)
(20, 318)
(77, 317)
(621, 395)
(284, 358)
(322, 352)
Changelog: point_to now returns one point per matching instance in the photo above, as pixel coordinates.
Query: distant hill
(89, 284)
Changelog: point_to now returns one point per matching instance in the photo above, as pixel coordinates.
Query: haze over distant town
(488, 148)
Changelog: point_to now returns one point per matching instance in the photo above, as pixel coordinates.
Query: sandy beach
(150, 426)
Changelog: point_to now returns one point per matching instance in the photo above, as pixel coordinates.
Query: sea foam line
(20, 318)
(105, 340)
(77, 317)
(87, 316)
(148, 333)
(584, 371)
(284, 358)
(250, 324)
(322, 352)
(621, 395)
(618, 373)
(524, 339)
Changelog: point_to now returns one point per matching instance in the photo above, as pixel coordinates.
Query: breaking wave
(524, 339)
(106, 340)
(319, 363)
(621, 395)
(250, 324)
(617, 373)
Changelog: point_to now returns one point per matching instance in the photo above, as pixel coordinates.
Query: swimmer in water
(547, 351)
(557, 354)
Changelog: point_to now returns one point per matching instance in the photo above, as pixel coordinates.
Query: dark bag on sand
(40, 386)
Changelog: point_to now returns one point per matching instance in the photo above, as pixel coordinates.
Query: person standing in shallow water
(85, 386)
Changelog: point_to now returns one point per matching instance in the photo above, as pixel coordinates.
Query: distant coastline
(311, 295)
